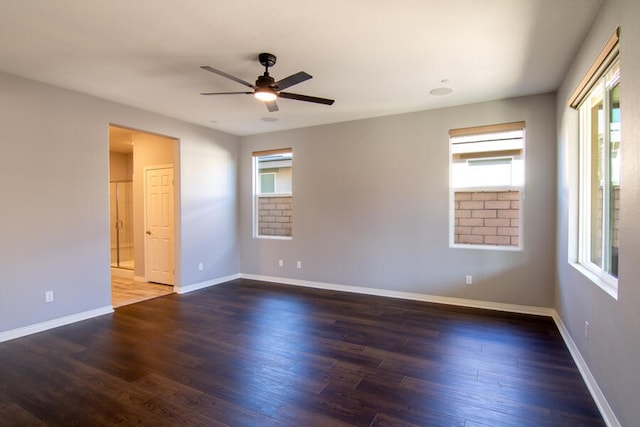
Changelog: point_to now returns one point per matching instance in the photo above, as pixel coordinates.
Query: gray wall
(371, 206)
(55, 200)
(612, 350)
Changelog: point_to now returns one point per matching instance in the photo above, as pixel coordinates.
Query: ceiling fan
(266, 88)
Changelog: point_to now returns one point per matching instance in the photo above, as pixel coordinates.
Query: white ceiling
(373, 57)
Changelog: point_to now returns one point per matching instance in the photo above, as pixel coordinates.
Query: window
(272, 190)
(487, 181)
(597, 99)
(267, 182)
(599, 212)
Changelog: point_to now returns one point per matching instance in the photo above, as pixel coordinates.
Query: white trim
(486, 247)
(605, 409)
(273, 237)
(139, 279)
(489, 189)
(598, 279)
(598, 274)
(488, 305)
(205, 284)
(267, 195)
(50, 324)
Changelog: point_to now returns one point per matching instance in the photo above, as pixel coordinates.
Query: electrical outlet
(469, 279)
(299, 264)
(200, 266)
(586, 329)
(280, 263)
(48, 296)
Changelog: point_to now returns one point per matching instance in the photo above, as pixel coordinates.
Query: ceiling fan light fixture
(265, 94)
(266, 88)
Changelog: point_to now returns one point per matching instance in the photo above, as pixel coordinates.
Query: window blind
(606, 58)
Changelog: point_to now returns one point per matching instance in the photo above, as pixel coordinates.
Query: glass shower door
(121, 219)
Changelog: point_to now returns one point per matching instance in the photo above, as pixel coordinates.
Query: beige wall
(148, 150)
(284, 180)
(120, 166)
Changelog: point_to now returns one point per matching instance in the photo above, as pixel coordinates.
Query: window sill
(606, 286)
(489, 188)
(273, 237)
(274, 195)
(486, 247)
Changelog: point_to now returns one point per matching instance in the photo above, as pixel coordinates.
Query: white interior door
(159, 224)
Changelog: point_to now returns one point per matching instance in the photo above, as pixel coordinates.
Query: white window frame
(257, 195)
(471, 133)
(596, 273)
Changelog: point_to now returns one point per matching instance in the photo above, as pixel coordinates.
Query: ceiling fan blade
(229, 76)
(307, 98)
(293, 79)
(227, 93)
(271, 106)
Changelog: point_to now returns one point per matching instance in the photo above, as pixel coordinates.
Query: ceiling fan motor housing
(265, 81)
(267, 59)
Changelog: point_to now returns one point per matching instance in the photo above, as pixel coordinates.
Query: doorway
(132, 153)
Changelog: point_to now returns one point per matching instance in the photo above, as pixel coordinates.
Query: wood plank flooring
(248, 353)
(125, 291)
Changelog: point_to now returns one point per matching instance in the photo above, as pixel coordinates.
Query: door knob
(148, 232)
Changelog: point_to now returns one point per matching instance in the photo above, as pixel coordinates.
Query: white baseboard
(139, 279)
(605, 409)
(512, 308)
(205, 284)
(50, 324)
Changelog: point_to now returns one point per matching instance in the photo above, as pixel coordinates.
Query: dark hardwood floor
(249, 353)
